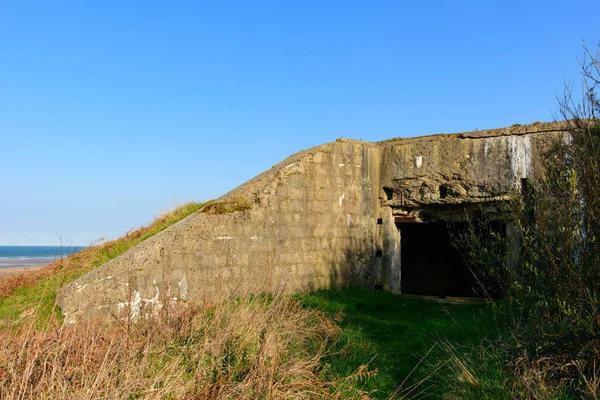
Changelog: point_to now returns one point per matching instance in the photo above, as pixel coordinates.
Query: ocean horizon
(30, 256)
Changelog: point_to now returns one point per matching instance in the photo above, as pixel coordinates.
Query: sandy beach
(22, 266)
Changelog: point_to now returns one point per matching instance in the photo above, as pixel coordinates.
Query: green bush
(551, 275)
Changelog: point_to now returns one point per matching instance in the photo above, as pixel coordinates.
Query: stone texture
(323, 218)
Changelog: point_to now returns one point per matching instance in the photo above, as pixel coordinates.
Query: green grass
(36, 298)
(401, 340)
(392, 333)
(30, 301)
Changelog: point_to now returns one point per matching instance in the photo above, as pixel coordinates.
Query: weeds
(552, 277)
(259, 347)
(228, 206)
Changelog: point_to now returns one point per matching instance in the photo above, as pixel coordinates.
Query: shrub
(552, 284)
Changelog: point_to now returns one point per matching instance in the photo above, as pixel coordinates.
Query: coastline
(21, 266)
(6, 271)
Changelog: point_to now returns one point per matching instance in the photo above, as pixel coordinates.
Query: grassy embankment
(26, 295)
(352, 343)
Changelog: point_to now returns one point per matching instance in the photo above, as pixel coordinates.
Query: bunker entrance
(430, 264)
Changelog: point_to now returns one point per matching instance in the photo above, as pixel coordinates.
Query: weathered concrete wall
(435, 176)
(312, 225)
(323, 218)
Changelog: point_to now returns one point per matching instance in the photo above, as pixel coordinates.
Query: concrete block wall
(312, 225)
(323, 218)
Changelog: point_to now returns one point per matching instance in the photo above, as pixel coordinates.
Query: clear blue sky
(111, 111)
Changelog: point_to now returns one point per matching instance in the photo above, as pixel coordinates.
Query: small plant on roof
(237, 203)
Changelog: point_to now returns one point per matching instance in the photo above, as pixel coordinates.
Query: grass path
(392, 333)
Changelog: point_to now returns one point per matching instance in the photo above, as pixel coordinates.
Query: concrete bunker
(349, 212)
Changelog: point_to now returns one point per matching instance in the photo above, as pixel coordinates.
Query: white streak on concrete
(183, 288)
(487, 144)
(154, 300)
(223, 238)
(135, 305)
(81, 287)
(418, 161)
(519, 155)
(341, 199)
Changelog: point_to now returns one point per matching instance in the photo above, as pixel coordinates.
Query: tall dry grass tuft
(261, 347)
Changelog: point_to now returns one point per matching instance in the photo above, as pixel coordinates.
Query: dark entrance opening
(431, 265)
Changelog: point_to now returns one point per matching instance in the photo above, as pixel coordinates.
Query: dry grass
(245, 349)
(547, 378)
(252, 347)
(485, 372)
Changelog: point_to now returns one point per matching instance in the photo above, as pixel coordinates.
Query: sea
(30, 256)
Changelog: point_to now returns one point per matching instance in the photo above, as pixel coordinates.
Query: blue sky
(113, 111)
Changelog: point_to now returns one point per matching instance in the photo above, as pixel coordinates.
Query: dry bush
(250, 348)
